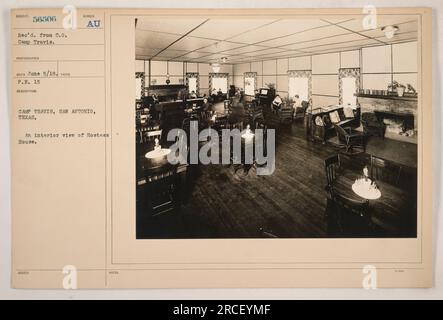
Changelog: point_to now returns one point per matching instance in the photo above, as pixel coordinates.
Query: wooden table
(395, 211)
(154, 176)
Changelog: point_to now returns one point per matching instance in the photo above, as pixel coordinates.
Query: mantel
(387, 97)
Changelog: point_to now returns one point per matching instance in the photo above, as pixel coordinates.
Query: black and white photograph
(276, 128)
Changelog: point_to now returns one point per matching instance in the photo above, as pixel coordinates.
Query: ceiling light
(224, 59)
(215, 67)
(390, 31)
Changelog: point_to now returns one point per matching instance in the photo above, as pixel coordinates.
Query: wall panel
(300, 63)
(326, 63)
(350, 59)
(282, 66)
(376, 81)
(321, 101)
(240, 69)
(282, 83)
(257, 67)
(270, 67)
(376, 59)
(159, 68)
(325, 85)
(269, 79)
(175, 68)
(191, 67)
(203, 69)
(404, 57)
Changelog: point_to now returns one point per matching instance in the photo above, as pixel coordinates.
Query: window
(192, 82)
(138, 88)
(220, 83)
(139, 85)
(250, 81)
(299, 86)
(349, 84)
(249, 86)
(349, 90)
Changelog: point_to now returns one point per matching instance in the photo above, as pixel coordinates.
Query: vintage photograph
(300, 127)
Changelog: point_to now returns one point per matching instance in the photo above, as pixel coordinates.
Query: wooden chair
(150, 136)
(203, 119)
(332, 164)
(226, 106)
(266, 234)
(257, 115)
(385, 171)
(351, 217)
(161, 192)
(349, 139)
(221, 123)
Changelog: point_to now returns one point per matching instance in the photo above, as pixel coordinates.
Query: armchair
(350, 139)
(285, 114)
(300, 111)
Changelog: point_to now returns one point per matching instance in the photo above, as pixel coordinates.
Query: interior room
(338, 97)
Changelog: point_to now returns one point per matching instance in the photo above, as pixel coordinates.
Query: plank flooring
(290, 203)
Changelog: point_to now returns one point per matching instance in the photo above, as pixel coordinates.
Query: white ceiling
(250, 39)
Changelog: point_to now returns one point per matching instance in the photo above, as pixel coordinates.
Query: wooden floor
(290, 203)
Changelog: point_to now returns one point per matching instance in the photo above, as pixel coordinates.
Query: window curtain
(139, 85)
(193, 75)
(247, 76)
(218, 75)
(302, 74)
(346, 73)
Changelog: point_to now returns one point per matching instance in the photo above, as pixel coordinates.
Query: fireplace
(397, 113)
(397, 122)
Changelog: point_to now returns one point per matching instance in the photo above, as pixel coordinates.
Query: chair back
(369, 117)
(341, 133)
(153, 134)
(286, 114)
(204, 117)
(385, 170)
(331, 166)
(365, 125)
(353, 216)
(221, 123)
(226, 104)
(257, 115)
(150, 136)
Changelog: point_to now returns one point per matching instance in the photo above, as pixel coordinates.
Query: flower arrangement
(397, 87)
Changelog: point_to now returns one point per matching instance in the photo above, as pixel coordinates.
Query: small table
(395, 209)
(157, 153)
(365, 189)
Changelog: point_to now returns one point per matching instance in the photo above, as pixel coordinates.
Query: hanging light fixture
(216, 67)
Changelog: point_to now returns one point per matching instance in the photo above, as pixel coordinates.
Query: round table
(365, 189)
(392, 211)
